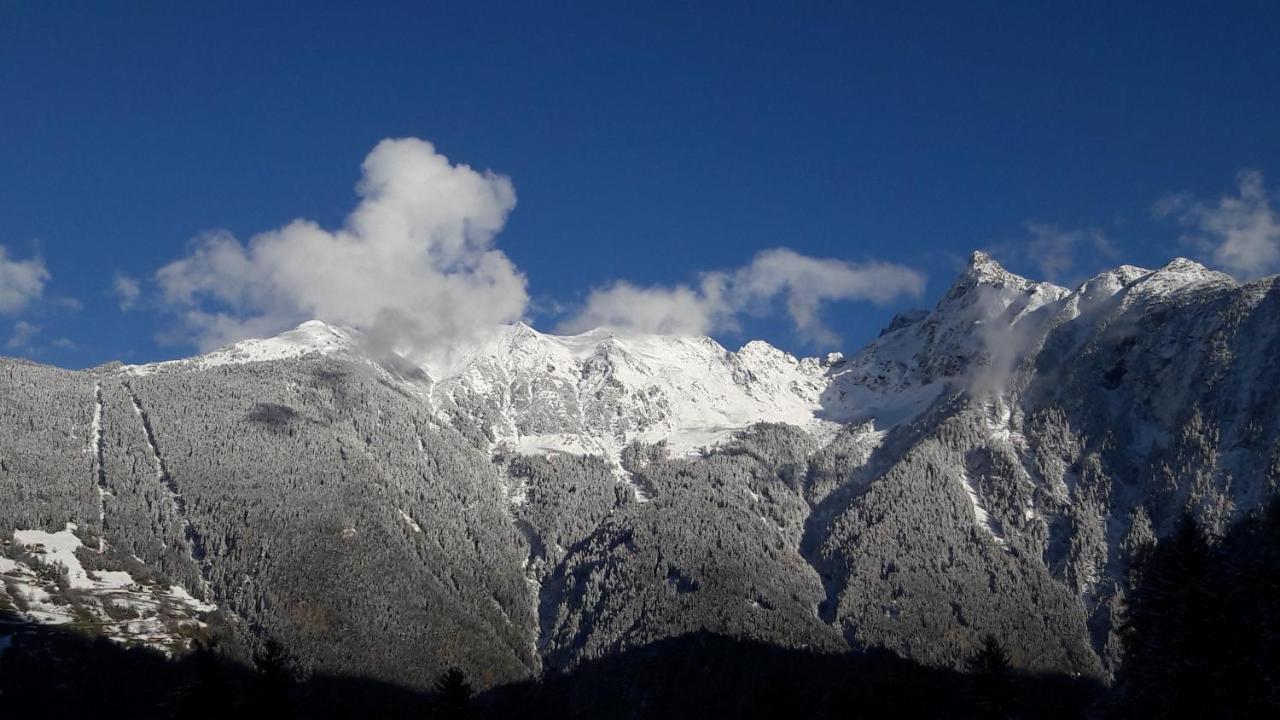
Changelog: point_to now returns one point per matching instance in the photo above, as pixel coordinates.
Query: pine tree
(277, 682)
(453, 695)
(992, 679)
(990, 659)
(1170, 632)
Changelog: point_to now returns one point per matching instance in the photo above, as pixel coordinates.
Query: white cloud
(21, 282)
(127, 291)
(413, 265)
(679, 310)
(803, 284)
(1241, 233)
(23, 333)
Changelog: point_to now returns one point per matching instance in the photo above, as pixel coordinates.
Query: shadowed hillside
(47, 673)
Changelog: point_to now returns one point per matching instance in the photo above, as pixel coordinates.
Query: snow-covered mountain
(595, 392)
(993, 465)
(588, 393)
(312, 338)
(598, 391)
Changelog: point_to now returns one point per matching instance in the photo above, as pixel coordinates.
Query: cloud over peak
(803, 284)
(1241, 232)
(413, 265)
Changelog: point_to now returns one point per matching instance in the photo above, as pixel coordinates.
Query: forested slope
(993, 467)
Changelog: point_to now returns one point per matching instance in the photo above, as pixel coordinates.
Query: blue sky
(646, 142)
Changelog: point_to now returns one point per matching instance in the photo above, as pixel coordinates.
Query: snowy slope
(597, 391)
(48, 585)
(312, 338)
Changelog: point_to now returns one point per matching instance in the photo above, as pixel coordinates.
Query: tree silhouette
(992, 679)
(990, 659)
(453, 694)
(277, 680)
(1169, 634)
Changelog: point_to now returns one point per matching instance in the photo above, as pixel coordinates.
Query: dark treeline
(1201, 639)
(53, 675)
(1202, 633)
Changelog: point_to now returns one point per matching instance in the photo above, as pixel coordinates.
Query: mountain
(993, 465)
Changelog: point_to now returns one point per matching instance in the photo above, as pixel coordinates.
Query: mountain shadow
(52, 673)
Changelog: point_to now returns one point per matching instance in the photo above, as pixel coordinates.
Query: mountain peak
(316, 332)
(985, 270)
(313, 337)
(316, 325)
(763, 351)
(1192, 270)
(980, 259)
(1179, 275)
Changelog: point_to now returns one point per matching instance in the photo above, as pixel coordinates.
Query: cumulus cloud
(803, 284)
(126, 290)
(23, 333)
(413, 265)
(21, 282)
(1241, 232)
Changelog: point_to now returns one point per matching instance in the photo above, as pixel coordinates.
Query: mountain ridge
(993, 465)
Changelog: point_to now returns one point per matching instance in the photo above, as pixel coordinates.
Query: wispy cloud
(21, 282)
(1240, 233)
(803, 284)
(126, 290)
(1056, 251)
(1059, 254)
(413, 265)
(23, 333)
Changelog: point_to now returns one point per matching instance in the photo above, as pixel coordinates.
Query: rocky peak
(1177, 277)
(983, 268)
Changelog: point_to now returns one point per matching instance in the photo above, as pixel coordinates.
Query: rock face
(990, 466)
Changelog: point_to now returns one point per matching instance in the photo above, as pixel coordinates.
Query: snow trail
(99, 469)
(980, 515)
(194, 541)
